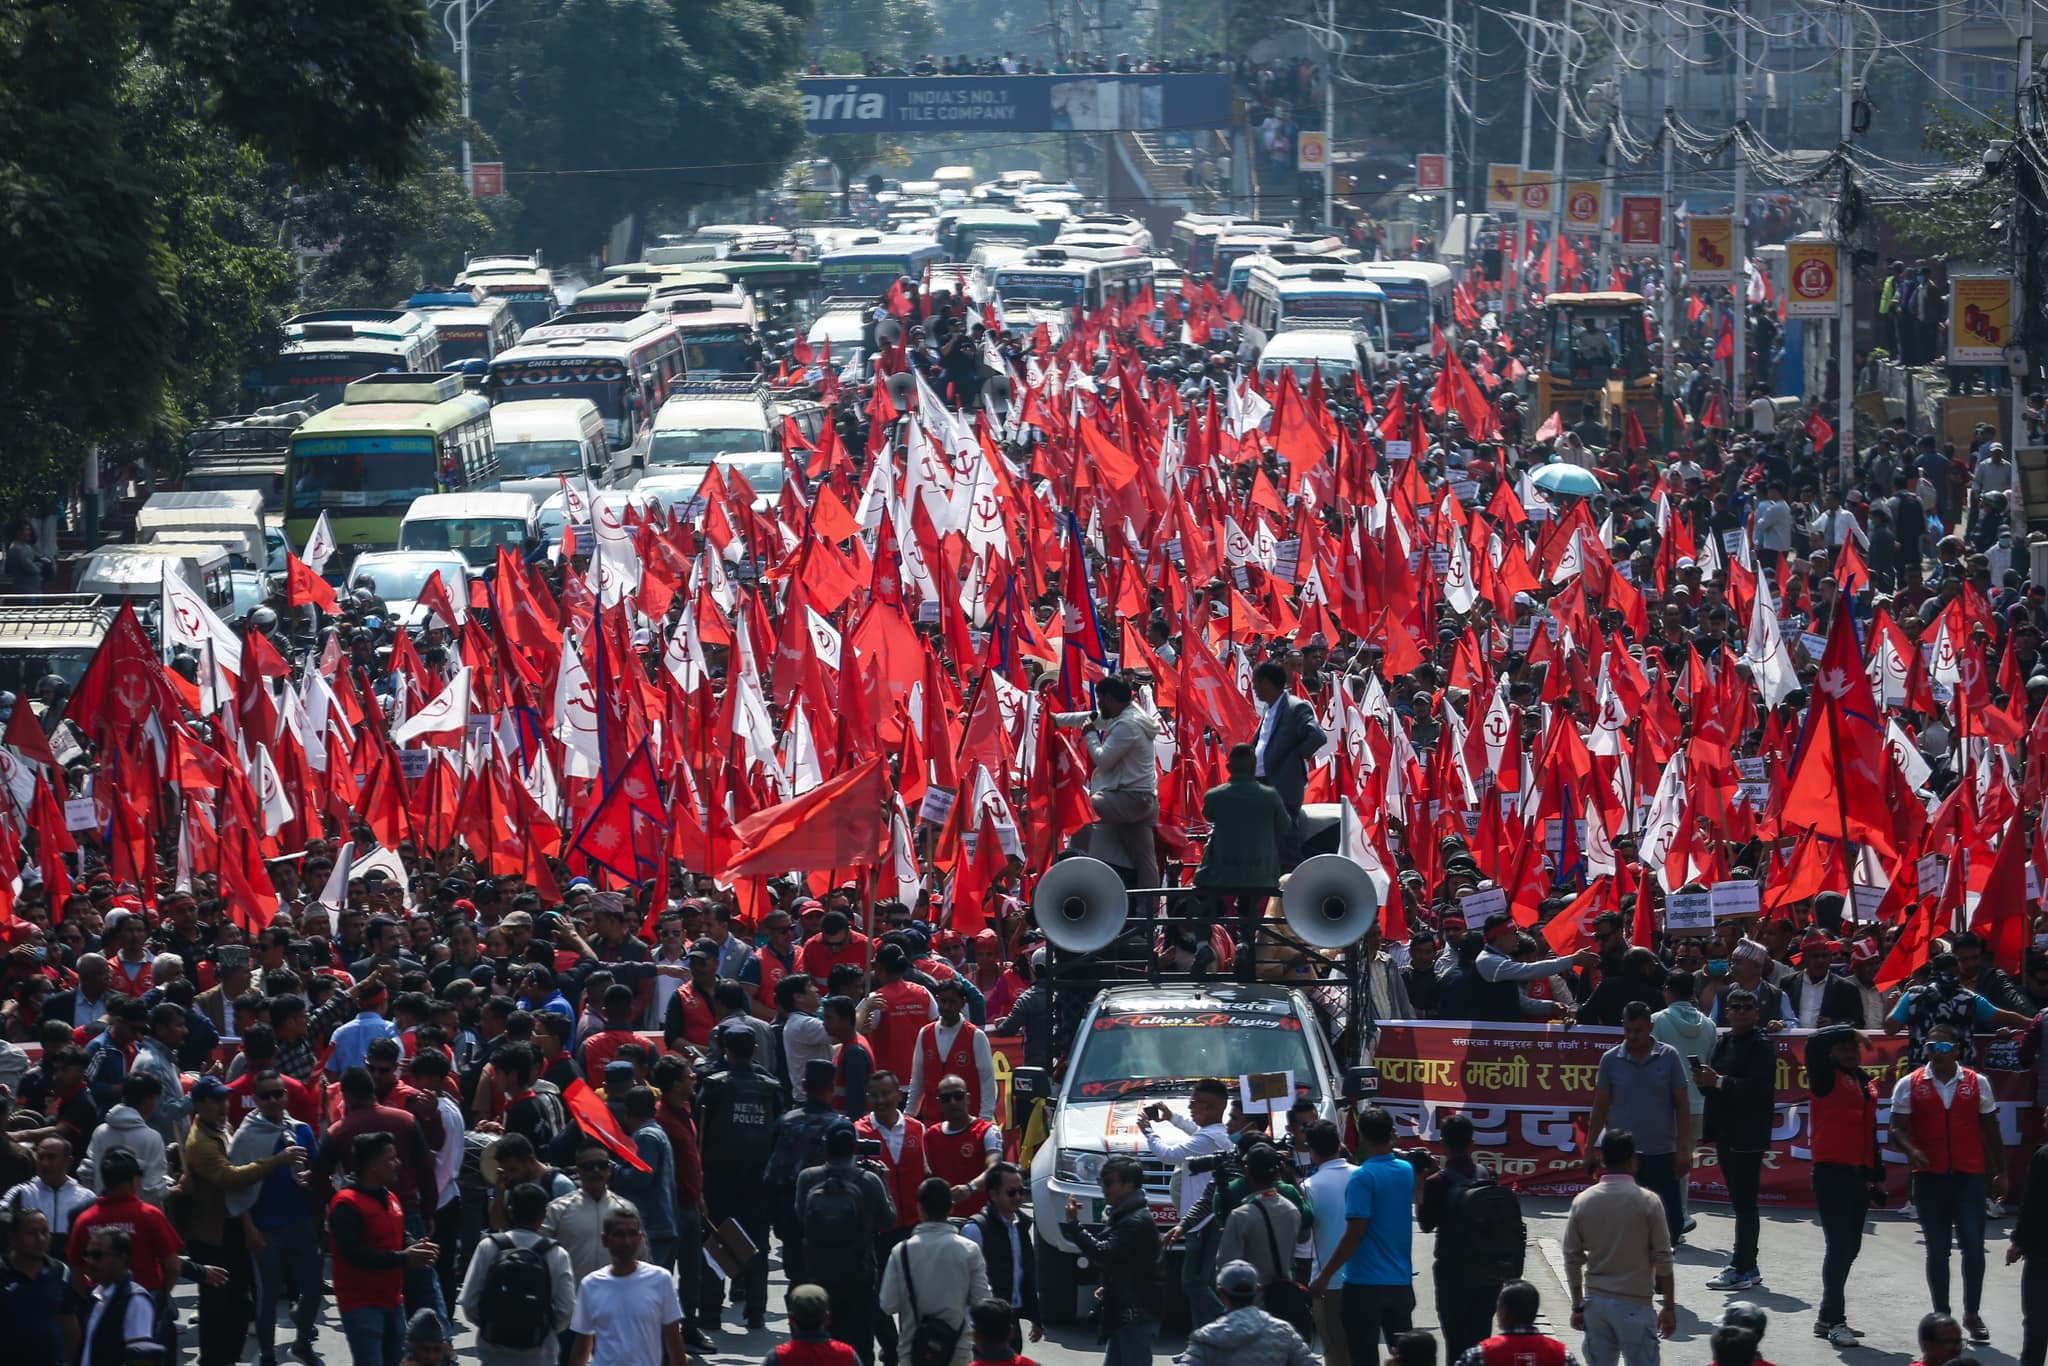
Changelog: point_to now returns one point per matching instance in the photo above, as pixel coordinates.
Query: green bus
(391, 439)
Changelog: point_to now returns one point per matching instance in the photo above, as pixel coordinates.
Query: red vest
(1951, 1138)
(906, 1173)
(957, 1062)
(772, 971)
(906, 1008)
(1522, 1349)
(839, 1069)
(1843, 1122)
(384, 1229)
(962, 1159)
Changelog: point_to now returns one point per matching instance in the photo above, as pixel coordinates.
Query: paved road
(1887, 1296)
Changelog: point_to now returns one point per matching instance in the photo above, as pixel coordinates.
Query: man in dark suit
(1003, 1232)
(1288, 738)
(1819, 996)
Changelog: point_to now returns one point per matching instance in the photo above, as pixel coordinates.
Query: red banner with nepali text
(1528, 1089)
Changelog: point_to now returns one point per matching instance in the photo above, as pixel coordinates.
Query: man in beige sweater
(1617, 1251)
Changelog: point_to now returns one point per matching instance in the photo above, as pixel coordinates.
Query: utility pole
(1845, 363)
(1450, 125)
(1329, 112)
(1529, 84)
(2026, 185)
(1564, 76)
(1739, 228)
(1667, 217)
(456, 16)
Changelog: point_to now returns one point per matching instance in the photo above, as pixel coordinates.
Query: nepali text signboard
(1979, 319)
(1528, 1090)
(1026, 104)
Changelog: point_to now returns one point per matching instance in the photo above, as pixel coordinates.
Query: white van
(705, 419)
(473, 525)
(137, 571)
(541, 438)
(232, 518)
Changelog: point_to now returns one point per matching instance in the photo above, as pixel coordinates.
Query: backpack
(1485, 1222)
(519, 1295)
(835, 1218)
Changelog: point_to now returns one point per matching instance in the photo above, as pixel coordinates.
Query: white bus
(626, 365)
(1278, 294)
(1418, 294)
(1070, 277)
(867, 271)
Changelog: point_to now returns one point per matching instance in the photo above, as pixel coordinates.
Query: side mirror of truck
(1031, 1083)
(1361, 1083)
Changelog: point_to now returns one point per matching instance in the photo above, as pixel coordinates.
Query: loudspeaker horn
(1329, 901)
(1081, 905)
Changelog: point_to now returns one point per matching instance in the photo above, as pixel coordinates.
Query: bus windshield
(476, 539)
(602, 381)
(532, 305)
(862, 278)
(464, 343)
(717, 353)
(320, 376)
(528, 459)
(360, 472)
(1064, 290)
(1407, 311)
(697, 445)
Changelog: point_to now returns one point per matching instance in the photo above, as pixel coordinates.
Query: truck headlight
(1079, 1166)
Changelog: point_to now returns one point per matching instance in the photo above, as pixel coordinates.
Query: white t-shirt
(632, 1311)
(1325, 1191)
(1902, 1094)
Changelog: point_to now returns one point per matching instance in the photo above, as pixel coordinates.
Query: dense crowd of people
(679, 942)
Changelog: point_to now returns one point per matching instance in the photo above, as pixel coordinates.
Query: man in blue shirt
(1379, 1231)
(351, 1041)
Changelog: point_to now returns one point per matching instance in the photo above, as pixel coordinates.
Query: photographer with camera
(1200, 1134)
(842, 1206)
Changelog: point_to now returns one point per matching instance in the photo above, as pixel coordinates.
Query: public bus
(625, 365)
(718, 343)
(628, 294)
(1053, 276)
(1233, 278)
(391, 439)
(1279, 293)
(324, 351)
(868, 270)
(960, 230)
(1125, 271)
(1197, 235)
(1418, 295)
(519, 281)
(469, 324)
(1250, 239)
(1120, 226)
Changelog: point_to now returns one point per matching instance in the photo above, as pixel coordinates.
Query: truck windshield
(1129, 1051)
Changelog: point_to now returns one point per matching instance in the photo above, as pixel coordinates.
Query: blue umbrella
(1566, 479)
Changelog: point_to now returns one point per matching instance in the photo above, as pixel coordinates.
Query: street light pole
(456, 16)
(1450, 125)
(1845, 362)
(1564, 75)
(1739, 228)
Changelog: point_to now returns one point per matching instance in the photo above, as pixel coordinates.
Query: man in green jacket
(1248, 822)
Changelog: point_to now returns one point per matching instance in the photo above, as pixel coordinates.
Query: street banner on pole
(1710, 249)
(1503, 187)
(1642, 220)
(1584, 205)
(1979, 318)
(1813, 280)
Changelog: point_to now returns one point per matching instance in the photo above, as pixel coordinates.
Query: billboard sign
(1979, 319)
(1710, 249)
(1642, 220)
(1431, 172)
(1813, 280)
(1584, 205)
(1025, 104)
(1503, 187)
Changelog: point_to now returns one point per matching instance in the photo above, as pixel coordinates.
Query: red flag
(838, 824)
(303, 587)
(25, 733)
(595, 1118)
(2001, 918)
(1818, 430)
(1571, 929)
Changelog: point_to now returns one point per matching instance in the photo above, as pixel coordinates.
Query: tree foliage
(607, 108)
(899, 30)
(138, 268)
(1956, 223)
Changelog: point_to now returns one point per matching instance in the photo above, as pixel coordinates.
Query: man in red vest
(894, 1013)
(962, 1147)
(370, 1253)
(952, 1044)
(1946, 1122)
(902, 1155)
(1518, 1343)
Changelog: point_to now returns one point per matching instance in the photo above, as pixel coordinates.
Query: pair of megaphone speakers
(1082, 905)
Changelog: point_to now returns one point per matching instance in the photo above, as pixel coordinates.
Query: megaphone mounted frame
(1101, 933)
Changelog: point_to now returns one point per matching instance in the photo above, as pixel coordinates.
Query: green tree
(611, 108)
(1955, 221)
(133, 270)
(899, 30)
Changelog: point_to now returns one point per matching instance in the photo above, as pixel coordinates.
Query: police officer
(799, 1146)
(737, 1116)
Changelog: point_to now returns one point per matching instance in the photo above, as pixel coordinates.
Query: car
(398, 575)
(1141, 1042)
